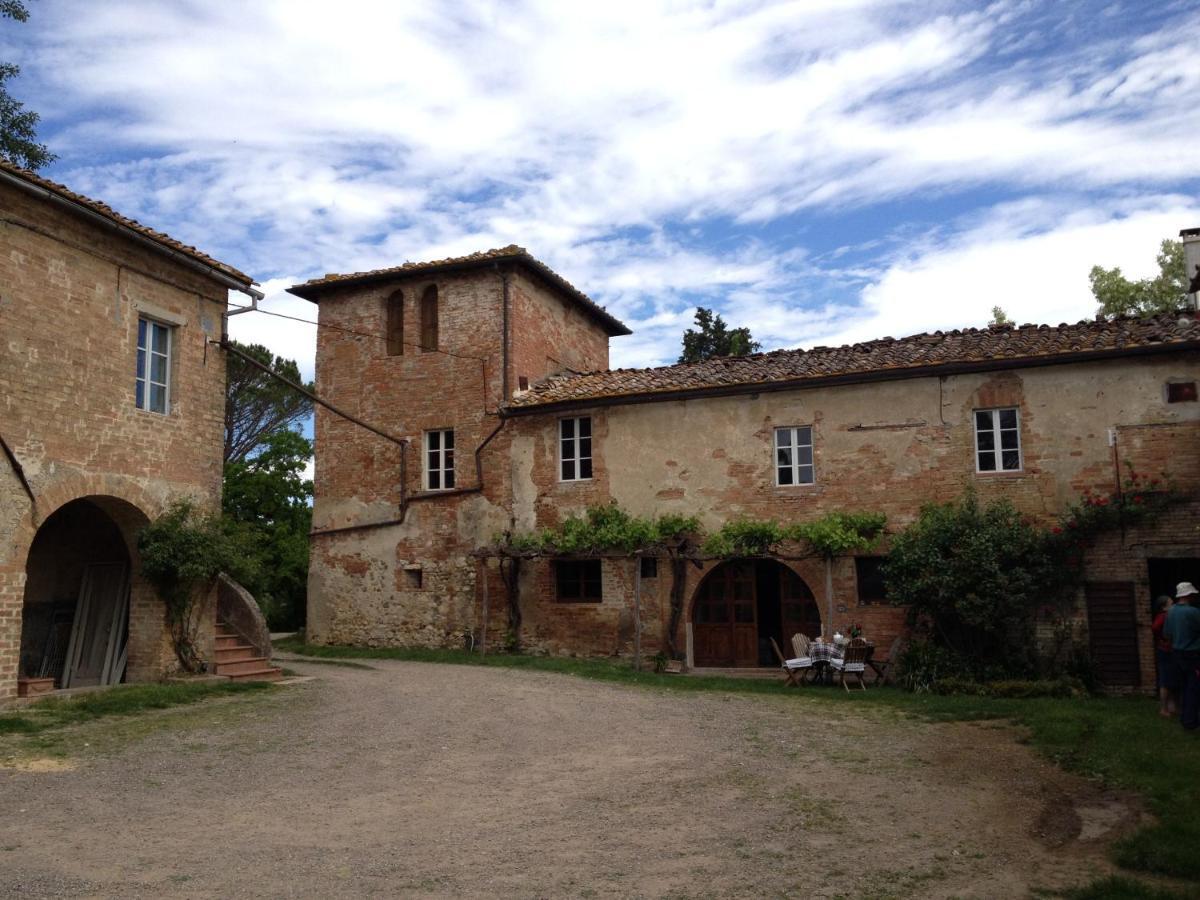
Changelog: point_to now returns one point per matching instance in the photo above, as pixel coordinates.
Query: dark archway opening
(742, 605)
(75, 615)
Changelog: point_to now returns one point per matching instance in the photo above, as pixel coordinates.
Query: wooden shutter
(1112, 629)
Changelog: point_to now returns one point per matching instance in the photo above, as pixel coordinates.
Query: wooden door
(724, 621)
(1112, 631)
(797, 608)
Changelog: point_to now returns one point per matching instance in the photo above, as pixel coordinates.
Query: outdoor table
(821, 654)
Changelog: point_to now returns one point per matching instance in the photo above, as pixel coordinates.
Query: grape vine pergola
(608, 532)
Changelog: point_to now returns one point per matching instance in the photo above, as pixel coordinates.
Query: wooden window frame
(143, 379)
(573, 574)
(439, 471)
(570, 449)
(998, 449)
(795, 469)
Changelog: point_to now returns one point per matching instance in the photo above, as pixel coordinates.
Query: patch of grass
(1126, 889)
(59, 712)
(1119, 741)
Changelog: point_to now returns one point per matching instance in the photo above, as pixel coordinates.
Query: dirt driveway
(418, 779)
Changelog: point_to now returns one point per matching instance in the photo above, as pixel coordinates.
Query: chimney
(1191, 262)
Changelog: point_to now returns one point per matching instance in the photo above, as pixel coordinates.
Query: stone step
(240, 666)
(271, 673)
(233, 654)
(229, 640)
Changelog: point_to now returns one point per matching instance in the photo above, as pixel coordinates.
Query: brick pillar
(12, 595)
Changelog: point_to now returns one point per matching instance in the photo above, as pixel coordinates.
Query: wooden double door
(741, 604)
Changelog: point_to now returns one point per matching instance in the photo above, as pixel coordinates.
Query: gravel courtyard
(433, 780)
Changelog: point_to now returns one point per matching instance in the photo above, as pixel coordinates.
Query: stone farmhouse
(111, 407)
(493, 373)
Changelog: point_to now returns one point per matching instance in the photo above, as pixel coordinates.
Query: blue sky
(822, 171)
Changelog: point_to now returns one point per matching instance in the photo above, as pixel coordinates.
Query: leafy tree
(1165, 292)
(712, 337)
(257, 405)
(266, 503)
(18, 126)
(999, 317)
(182, 552)
(977, 575)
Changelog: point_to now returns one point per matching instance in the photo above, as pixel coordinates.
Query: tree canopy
(18, 125)
(266, 505)
(712, 337)
(257, 405)
(1165, 292)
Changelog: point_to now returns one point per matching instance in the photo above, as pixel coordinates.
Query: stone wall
(888, 446)
(413, 581)
(70, 297)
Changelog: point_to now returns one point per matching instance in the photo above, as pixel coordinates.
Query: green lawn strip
(1126, 889)
(59, 712)
(1120, 741)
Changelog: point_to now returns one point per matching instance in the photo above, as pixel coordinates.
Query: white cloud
(659, 153)
(1036, 277)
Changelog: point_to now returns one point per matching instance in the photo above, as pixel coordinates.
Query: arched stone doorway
(744, 603)
(79, 576)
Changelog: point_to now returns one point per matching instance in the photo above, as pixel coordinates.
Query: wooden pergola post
(483, 635)
(637, 611)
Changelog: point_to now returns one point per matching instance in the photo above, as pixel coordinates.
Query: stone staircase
(236, 659)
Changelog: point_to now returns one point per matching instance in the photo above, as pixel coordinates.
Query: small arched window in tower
(429, 318)
(395, 324)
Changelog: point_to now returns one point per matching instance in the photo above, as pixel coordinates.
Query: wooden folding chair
(880, 666)
(853, 662)
(794, 669)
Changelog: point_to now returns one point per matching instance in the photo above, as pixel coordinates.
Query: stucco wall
(888, 446)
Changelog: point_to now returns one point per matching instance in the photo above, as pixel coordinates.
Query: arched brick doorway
(744, 603)
(79, 576)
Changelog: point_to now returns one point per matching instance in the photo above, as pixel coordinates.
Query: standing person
(1162, 657)
(1182, 629)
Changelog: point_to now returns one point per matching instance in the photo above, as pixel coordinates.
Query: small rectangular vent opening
(1181, 392)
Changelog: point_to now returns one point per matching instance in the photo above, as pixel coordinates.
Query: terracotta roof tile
(112, 215)
(313, 288)
(882, 358)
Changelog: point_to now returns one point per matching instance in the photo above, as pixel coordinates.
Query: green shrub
(978, 576)
(923, 664)
(182, 552)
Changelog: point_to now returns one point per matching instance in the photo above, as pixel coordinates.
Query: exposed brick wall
(70, 297)
(890, 447)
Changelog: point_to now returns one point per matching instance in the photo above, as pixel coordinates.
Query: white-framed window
(153, 383)
(794, 455)
(997, 440)
(439, 459)
(575, 448)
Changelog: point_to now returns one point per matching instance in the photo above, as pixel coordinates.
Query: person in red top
(1162, 655)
